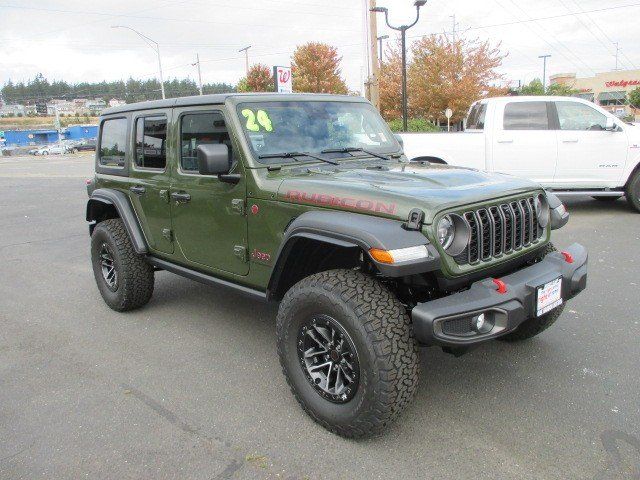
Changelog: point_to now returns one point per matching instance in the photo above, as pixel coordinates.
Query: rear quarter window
(113, 142)
(475, 120)
(526, 116)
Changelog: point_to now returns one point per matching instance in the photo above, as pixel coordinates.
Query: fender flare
(122, 205)
(357, 231)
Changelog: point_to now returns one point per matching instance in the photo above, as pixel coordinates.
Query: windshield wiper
(295, 155)
(354, 149)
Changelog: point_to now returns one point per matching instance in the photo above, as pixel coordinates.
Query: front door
(588, 155)
(208, 215)
(523, 143)
(149, 179)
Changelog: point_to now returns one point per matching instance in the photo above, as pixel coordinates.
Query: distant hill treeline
(41, 90)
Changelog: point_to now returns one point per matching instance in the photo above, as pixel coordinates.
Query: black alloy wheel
(329, 359)
(108, 267)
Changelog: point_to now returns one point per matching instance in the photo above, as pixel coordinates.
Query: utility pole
(617, 51)
(374, 79)
(403, 32)
(453, 34)
(199, 73)
(154, 45)
(381, 54)
(246, 57)
(544, 71)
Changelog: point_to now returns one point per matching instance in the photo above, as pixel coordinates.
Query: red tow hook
(567, 257)
(502, 287)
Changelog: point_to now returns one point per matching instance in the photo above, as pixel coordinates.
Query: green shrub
(414, 125)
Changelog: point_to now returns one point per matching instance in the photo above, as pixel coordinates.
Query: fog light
(482, 323)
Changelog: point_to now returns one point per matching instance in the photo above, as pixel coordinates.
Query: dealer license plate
(549, 296)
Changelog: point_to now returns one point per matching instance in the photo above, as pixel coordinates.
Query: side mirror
(399, 139)
(610, 125)
(214, 159)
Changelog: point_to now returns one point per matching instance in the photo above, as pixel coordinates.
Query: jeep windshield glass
(313, 127)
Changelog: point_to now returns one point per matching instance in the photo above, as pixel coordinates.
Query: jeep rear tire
(633, 191)
(533, 326)
(347, 350)
(124, 278)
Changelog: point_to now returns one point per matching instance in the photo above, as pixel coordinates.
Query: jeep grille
(500, 230)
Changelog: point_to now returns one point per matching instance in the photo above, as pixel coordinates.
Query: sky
(74, 40)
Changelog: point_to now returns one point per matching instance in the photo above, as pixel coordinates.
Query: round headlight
(446, 231)
(542, 210)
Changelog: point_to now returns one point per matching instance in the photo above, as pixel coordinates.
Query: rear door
(149, 177)
(523, 141)
(588, 155)
(208, 215)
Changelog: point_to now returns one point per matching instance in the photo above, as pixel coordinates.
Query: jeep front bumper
(452, 321)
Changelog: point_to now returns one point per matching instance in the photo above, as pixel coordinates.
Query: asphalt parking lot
(189, 387)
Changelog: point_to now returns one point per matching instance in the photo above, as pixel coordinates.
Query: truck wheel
(533, 326)
(633, 191)
(347, 350)
(124, 278)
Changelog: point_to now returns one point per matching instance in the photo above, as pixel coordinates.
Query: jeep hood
(394, 192)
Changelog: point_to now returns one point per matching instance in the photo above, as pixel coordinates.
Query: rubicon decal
(335, 201)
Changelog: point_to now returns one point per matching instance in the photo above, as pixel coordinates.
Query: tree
(259, 79)
(316, 69)
(391, 83)
(446, 74)
(634, 98)
(535, 87)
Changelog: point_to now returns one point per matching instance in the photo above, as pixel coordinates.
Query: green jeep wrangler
(308, 200)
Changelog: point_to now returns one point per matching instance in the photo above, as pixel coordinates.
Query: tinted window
(151, 139)
(113, 140)
(576, 116)
(526, 116)
(199, 129)
(476, 116)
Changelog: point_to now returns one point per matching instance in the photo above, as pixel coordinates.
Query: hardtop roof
(220, 98)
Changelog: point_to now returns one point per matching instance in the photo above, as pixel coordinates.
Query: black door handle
(138, 189)
(181, 197)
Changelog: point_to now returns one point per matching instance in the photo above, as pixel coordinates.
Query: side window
(577, 116)
(113, 140)
(151, 142)
(475, 121)
(526, 116)
(200, 129)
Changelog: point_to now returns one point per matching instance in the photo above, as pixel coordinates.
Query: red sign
(623, 83)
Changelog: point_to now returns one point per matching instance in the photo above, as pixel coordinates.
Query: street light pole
(403, 32)
(380, 39)
(154, 45)
(544, 71)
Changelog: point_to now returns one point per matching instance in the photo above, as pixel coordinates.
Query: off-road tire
(633, 191)
(135, 276)
(381, 331)
(533, 326)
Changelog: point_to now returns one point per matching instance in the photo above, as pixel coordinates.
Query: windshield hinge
(414, 222)
(240, 251)
(237, 204)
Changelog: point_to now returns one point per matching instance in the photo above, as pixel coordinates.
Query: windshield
(311, 126)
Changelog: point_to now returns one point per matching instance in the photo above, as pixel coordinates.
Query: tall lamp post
(154, 45)
(403, 31)
(380, 39)
(544, 72)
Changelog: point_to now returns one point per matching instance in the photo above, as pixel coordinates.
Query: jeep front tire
(124, 278)
(347, 350)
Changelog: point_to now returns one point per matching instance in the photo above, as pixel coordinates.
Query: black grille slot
(458, 326)
(499, 230)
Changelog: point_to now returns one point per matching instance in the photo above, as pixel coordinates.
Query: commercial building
(29, 137)
(610, 90)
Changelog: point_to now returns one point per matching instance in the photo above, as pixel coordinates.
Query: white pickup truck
(567, 144)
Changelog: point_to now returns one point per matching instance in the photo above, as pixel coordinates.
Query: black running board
(203, 277)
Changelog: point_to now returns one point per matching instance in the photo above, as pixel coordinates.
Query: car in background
(86, 145)
(569, 145)
(55, 150)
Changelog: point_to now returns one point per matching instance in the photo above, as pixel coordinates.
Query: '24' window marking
(262, 118)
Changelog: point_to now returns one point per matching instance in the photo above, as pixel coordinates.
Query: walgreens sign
(623, 83)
